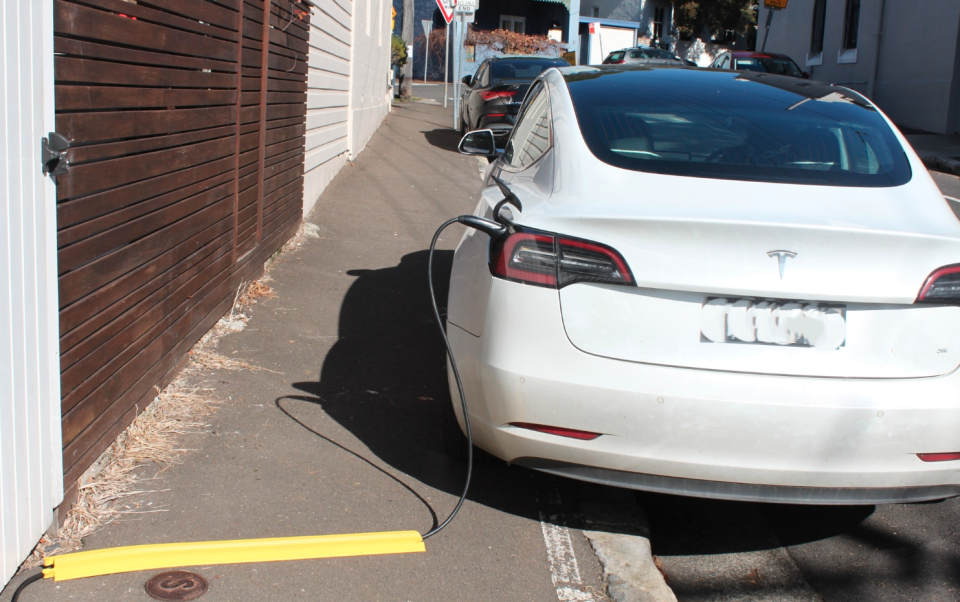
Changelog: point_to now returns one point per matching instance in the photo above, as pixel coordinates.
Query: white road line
(564, 570)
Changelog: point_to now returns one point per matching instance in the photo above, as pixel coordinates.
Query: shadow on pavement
(683, 526)
(385, 381)
(446, 139)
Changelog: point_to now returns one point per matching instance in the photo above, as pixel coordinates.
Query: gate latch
(53, 154)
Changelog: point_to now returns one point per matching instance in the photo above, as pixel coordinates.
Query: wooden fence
(186, 172)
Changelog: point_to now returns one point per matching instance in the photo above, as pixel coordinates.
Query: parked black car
(493, 96)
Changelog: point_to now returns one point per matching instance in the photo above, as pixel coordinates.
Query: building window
(819, 21)
(658, 22)
(851, 24)
(513, 23)
(596, 11)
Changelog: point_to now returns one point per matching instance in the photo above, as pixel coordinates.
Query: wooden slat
(84, 22)
(111, 150)
(102, 362)
(92, 127)
(80, 98)
(83, 360)
(86, 71)
(208, 12)
(97, 330)
(75, 255)
(102, 175)
(74, 212)
(122, 215)
(172, 22)
(99, 272)
(92, 312)
(91, 50)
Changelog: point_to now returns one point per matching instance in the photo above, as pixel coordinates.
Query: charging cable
(495, 230)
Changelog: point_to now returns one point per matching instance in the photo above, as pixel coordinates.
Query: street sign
(467, 6)
(777, 4)
(594, 28)
(427, 26)
(446, 11)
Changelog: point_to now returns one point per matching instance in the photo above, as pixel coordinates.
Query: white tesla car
(721, 284)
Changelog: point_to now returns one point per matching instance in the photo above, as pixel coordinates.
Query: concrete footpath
(343, 430)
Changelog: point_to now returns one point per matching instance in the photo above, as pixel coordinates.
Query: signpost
(427, 26)
(772, 6)
(463, 10)
(446, 9)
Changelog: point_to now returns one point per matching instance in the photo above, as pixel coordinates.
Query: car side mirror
(468, 80)
(479, 143)
(806, 75)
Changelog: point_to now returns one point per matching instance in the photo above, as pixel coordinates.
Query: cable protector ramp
(171, 555)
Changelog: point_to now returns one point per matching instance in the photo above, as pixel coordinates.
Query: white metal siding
(328, 95)
(31, 481)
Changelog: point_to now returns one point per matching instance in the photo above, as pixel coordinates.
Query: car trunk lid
(857, 255)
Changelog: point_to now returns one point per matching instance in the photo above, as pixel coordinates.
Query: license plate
(806, 324)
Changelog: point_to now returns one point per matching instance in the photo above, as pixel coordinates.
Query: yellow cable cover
(172, 555)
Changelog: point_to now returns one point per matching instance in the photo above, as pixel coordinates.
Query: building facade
(903, 54)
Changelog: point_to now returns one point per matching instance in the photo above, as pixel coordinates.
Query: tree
(694, 16)
(406, 32)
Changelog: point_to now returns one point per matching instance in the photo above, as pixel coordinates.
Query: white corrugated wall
(31, 481)
(328, 95)
(347, 93)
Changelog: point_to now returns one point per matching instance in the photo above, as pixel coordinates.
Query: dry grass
(258, 289)
(109, 489)
(216, 361)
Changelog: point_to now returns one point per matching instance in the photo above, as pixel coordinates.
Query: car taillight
(491, 94)
(555, 261)
(941, 457)
(942, 286)
(620, 62)
(558, 430)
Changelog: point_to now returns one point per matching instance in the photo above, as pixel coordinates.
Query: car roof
(664, 76)
(525, 57)
(744, 54)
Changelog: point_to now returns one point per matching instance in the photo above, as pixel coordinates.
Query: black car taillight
(555, 261)
(942, 286)
(491, 94)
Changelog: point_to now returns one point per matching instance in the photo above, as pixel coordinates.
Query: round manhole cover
(176, 585)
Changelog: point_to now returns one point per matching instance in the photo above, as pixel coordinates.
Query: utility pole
(406, 32)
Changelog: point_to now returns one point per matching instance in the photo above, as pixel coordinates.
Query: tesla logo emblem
(782, 257)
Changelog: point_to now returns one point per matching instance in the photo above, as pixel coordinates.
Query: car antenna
(508, 197)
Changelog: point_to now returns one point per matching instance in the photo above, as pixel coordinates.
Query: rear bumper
(779, 494)
(699, 432)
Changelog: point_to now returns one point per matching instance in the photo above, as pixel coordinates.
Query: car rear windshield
(524, 68)
(737, 126)
(769, 65)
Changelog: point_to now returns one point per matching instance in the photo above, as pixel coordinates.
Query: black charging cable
(23, 586)
(495, 230)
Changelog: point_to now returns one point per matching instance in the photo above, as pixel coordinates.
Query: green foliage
(694, 16)
(398, 51)
(498, 40)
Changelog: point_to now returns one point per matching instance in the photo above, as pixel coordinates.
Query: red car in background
(765, 62)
